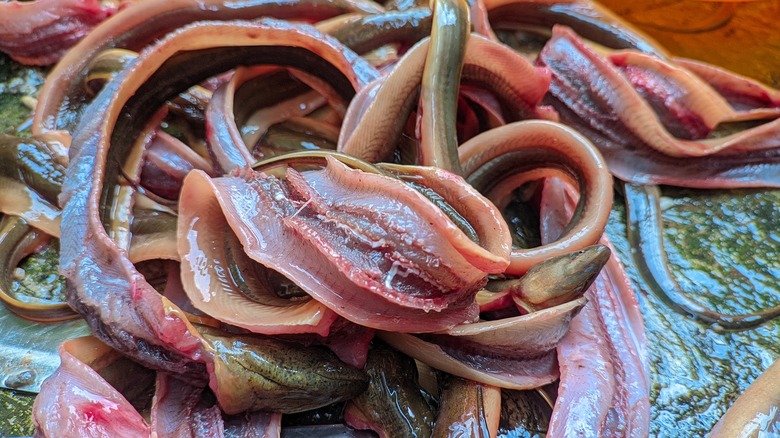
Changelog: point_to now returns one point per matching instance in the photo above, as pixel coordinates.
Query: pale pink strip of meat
(604, 388)
(76, 401)
(594, 97)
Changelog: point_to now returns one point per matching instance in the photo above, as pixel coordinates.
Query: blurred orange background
(739, 35)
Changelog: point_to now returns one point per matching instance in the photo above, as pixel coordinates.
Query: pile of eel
(341, 214)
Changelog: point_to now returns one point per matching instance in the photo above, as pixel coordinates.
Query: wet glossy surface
(28, 351)
(724, 247)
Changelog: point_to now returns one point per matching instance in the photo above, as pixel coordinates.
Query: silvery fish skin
(28, 350)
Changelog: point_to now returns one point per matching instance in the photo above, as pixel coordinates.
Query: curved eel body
(60, 104)
(158, 335)
(544, 145)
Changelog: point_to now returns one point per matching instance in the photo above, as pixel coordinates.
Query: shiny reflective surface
(723, 247)
(28, 351)
(720, 244)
